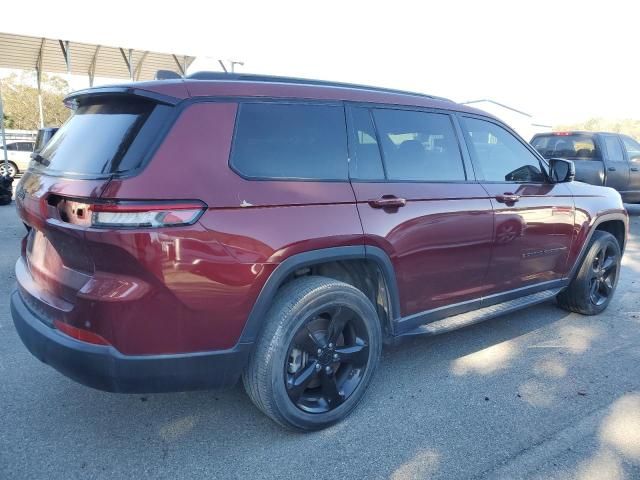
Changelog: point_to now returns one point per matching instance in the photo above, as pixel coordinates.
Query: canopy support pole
(127, 61)
(92, 66)
(180, 68)
(4, 137)
(138, 69)
(39, 81)
(66, 53)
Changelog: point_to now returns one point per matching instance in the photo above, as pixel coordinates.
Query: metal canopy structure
(63, 56)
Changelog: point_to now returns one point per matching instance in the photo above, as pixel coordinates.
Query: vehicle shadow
(422, 381)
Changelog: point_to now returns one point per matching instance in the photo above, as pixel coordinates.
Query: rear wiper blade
(36, 157)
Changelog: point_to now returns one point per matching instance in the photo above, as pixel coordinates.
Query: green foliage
(627, 126)
(8, 122)
(20, 98)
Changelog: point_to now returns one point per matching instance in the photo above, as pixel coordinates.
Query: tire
(591, 290)
(12, 169)
(293, 375)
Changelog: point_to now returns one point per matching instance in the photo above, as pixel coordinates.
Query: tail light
(141, 215)
(129, 214)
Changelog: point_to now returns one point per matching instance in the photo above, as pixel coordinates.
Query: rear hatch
(108, 135)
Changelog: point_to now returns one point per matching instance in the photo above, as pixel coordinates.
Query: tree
(627, 126)
(8, 122)
(20, 98)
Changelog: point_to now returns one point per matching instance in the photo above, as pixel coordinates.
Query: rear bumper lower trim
(104, 368)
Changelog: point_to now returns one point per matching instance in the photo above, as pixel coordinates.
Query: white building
(523, 123)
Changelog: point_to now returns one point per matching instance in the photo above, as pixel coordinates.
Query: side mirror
(562, 170)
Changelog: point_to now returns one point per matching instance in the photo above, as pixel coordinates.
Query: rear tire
(316, 355)
(590, 292)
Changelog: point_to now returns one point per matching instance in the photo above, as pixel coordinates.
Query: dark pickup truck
(609, 159)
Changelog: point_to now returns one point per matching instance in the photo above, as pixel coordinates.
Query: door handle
(634, 169)
(611, 169)
(508, 198)
(388, 201)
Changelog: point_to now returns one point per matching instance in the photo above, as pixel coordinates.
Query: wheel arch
(614, 223)
(351, 264)
(615, 227)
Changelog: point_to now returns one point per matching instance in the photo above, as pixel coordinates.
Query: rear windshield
(100, 138)
(575, 146)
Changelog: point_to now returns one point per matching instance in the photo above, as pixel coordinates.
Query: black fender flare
(295, 262)
(594, 226)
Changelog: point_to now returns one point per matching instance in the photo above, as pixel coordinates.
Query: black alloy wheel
(327, 359)
(604, 275)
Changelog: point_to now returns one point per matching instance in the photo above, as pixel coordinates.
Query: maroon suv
(185, 233)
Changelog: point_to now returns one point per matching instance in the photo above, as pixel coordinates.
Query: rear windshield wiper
(36, 157)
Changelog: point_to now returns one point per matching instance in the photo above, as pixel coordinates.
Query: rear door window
(290, 141)
(419, 146)
(102, 137)
(632, 147)
(614, 149)
(573, 146)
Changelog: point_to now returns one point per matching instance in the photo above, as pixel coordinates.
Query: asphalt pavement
(538, 394)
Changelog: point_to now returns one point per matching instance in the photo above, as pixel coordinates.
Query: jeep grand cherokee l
(185, 234)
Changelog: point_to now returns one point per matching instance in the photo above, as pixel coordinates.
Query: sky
(562, 61)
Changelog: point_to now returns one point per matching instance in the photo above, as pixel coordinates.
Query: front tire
(590, 292)
(316, 355)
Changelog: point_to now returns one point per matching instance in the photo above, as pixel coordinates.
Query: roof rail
(250, 77)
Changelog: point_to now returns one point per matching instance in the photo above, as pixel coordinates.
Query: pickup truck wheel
(316, 355)
(590, 292)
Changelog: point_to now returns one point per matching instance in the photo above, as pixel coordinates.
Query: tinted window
(12, 146)
(574, 146)
(632, 147)
(366, 163)
(614, 149)
(290, 141)
(25, 146)
(500, 156)
(419, 146)
(97, 138)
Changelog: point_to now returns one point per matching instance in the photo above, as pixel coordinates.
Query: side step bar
(482, 314)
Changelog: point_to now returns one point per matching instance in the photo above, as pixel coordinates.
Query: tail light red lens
(80, 334)
(129, 214)
(145, 215)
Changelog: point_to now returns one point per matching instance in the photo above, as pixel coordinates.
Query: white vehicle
(19, 156)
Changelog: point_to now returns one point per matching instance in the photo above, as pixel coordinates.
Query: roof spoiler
(73, 100)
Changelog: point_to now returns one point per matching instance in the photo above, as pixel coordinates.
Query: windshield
(575, 146)
(97, 138)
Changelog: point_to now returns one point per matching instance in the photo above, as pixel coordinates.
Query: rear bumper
(105, 368)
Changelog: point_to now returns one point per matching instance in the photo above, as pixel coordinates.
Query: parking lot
(538, 394)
